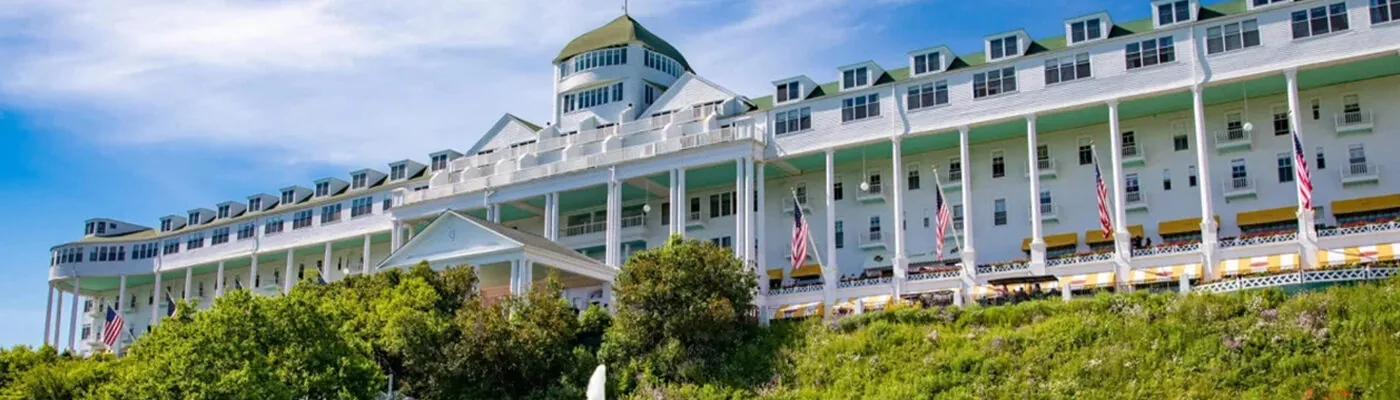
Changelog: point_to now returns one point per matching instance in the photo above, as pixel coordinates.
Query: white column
(901, 260)
(684, 209)
(396, 237)
(189, 276)
(121, 298)
(288, 278)
(830, 270)
(73, 319)
(739, 209)
(1208, 225)
(156, 300)
(58, 319)
(677, 220)
(527, 270)
(48, 314)
(252, 271)
(614, 223)
(326, 264)
(514, 278)
(551, 216)
(1307, 230)
(366, 259)
(749, 198)
(762, 259)
(219, 281)
(1033, 170)
(969, 253)
(1121, 238)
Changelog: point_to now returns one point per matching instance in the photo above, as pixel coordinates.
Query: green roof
(620, 31)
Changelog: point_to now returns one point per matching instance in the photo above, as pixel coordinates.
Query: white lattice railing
(1087, 258)
(795, 290)
(999, 268)
(1293, 278)
(1259, 240)
(1161, 250)
(1356, 230)
(928, 276)
(864, 282)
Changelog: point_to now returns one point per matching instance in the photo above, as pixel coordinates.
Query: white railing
(795, 290)
(1232, 137)
(1294, 278)
(1043, 167)
(1237, 186)
(695, 217)
(629, 221)
(871, 239)
(1161, 250)
(584, 229)
(1259, 240)
(1359, 229)
(1049, 211)
(1134, 199)
(1132, 150)
(864, 282)
(1004, 267)
(1360, 170)
(928, 276)
(1351, 119)
(1081, 259)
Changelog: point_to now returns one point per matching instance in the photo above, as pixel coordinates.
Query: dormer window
(323, 189)
(1089, 29)
(439, 162)
(1261, 3)
(166, 224)
(928, 62)
(289, 197)
(855, 77)
(194, 218)
(789, 91)
(359, 180)
(255, 204)
(1173, 12)
(398, 171)
(223, 211)
(1004, 47)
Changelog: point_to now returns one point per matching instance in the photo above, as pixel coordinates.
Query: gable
(507, 131)
(689, 90)
(450, 236)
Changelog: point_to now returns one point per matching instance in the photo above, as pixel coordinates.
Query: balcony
(1133, 155)
(788, 205)
(1232, 140)
(1239, 188)
(695, 220)
(1046, 167)
(954, 182)
(1361, 173)
(1135, 201)
(873, 241)
(875, 194)
(1049, 212)
(584, 229)
(1354, 122)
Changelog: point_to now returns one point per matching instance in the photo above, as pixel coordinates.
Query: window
(1280, 121)
(928, 95)
(1384, 11)
(1356, 156)
(789, 91)
(723, 241)
(790, 121)
(999, 212)
(397, 172)
(388, 204)
(855, 77)
(439, 162)
(246, 230)
(1042, 157)
(194, 218)
(721, 204)
(958, 217)
(1191, 176)
(1174, 12)
(1261, 3)
(323, 189)
(1316, 109)
(955, 169)
(301, 219)
(1166, 180)
(1239, 177)
(1320, 20)
(1151, 52)
(195, 241)
(288, 197)
(860, 107)
(358, 180)
(223, 211)
(649, 94)
(837, 192)
(840, 235)
(361, 206)
(661, 63)
(220, 236)
(1086, 151)
(666, 216)
(171, 247)
(1129, 144)
(913, 178)
(1130, 185)
(1045, 201)
(330, 213)
(593, 59)
(1321, 160)
(875, 227)
(1234, 125)
(1004, 47)
(998, 164)
(255, 204)
(1232, 36)
(1181, 143)
(928, 62)
(1285, 167)
(994, 82)
(874, 181)
(799, 192)
(1085, 30)
(1351, 105)
(592, 97)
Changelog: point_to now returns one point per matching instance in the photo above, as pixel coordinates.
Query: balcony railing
(864, 282)
(1360, 172)
(875, 193)
(816, 287)
(872, 240)
(634, 220)
(1259, 240)
(1166, 249)
(1046, 168)
(1360, 229)
(1049, 212)
(695, 219)
(1079, 259)
(1002, 267)
(1238, 187)
(925, 276)
(584, 229)
(1136, 200)
(1354, 121)
(1132, 153)
(1232, 139)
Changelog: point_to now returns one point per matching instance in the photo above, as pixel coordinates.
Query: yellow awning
(1180, 226)
(1366, 204)
(775, 273)
(1269, 216)
(1095, 236)
(1170, 273)
(868, 303)
(1258, 265)
(799, 310)
(1356, 255)
(1088, 281)
(807, 271)
(1054, 241)
(999, 290)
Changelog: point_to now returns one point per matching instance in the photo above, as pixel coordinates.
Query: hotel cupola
(611, 74)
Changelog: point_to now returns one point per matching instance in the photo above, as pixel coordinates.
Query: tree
(43, 374)
(680, 308)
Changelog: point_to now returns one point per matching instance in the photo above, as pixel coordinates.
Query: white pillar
(1033, 170)
(48, 314)
(762, 259)
(121, 297)
(969, 253)
(252, 271)
(1208, 224)
(219, 281)
(156, 300)
(614, 223)
(73, 319)
(677, 204)
(684, 209)
(739, 208)
(288, 279)
(749, 198)
(396, 237)
(1121, 237)
(326, 264)
(1307, 231)
(189, 276)
(901, 260)
(551, 216)
(365, 267)
(58, 318)
(527, 269)
(830, 270)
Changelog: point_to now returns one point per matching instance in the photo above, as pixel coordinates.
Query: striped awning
(1180, 226)
(1269, 216)
(867, 303)
(1258, 265)
(987, 291)
(1088, 281)
(1095, 236)
(775, 273)
(1054, 241)
(807, 271)
(813, 309)
(1170, 273)
(1359, 254)
(1366, 204)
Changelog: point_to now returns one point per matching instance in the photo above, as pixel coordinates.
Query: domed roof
(620, 31)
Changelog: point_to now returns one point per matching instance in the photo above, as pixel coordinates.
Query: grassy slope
(1341, 342)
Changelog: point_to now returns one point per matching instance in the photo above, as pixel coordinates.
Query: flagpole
(1112, 225)
(938, 185)
(810, 242)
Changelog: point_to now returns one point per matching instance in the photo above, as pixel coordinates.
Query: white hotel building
(1190, 109)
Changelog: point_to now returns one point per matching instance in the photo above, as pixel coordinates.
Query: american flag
(1304, 177)
(799, 235)
(945, 216)
(113, 328)
(1105, 224)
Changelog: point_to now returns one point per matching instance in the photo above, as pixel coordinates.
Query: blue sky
(136, 109)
